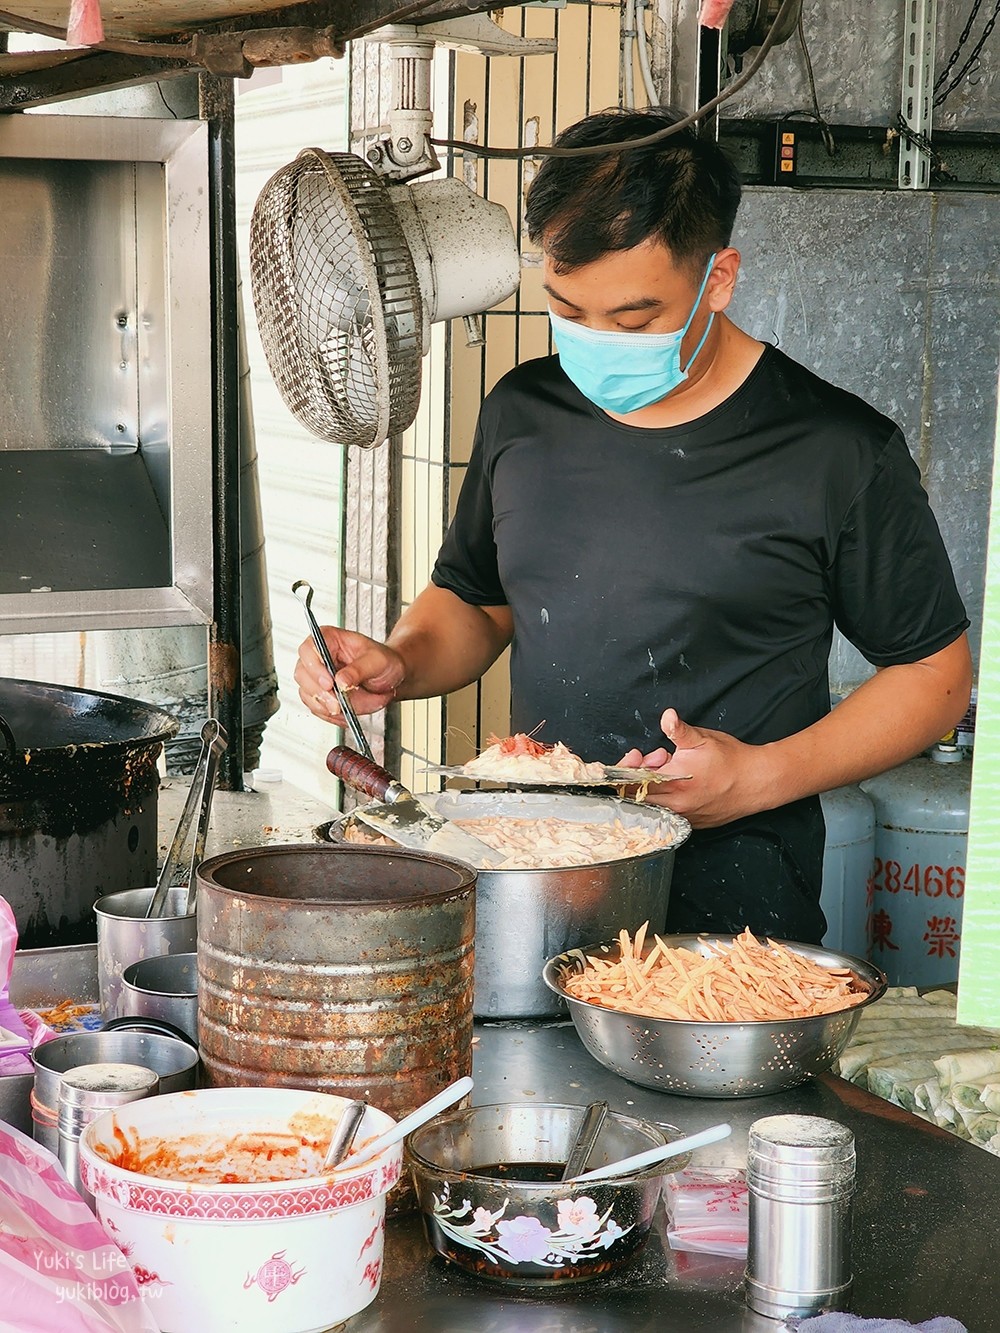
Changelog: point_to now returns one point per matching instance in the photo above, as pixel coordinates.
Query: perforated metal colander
(713, 1059)
(337, 298)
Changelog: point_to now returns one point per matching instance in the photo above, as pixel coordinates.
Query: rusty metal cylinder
(346, 970)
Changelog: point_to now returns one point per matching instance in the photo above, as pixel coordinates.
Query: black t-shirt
(700, 566)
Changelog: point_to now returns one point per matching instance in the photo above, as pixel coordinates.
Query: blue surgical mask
(623, 372)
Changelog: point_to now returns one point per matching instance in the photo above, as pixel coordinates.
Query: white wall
(278, 112)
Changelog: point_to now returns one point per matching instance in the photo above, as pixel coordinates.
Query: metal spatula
(593, 1119)
(301, 586)
(614, 776)
(401, 816)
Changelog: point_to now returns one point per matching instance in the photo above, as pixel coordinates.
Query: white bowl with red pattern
(247, 1253)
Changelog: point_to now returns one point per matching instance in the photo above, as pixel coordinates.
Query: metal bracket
(917, 110)
(479, 33)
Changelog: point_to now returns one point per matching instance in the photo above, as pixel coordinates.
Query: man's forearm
(891, 717)
(446, 643)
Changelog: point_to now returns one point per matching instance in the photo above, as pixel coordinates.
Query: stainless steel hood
(105, 381)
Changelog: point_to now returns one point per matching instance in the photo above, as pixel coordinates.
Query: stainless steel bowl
(524, 916)
(164, 988)
(487, 1181)
(712, 1059)
(174, 1060)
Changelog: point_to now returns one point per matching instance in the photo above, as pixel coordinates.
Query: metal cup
(125, 935)
(801, 1178)
(164, 988)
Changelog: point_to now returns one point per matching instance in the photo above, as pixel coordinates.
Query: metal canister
(800, 1175)
(164, 989)
(848, 860)
(346, 970)
(918, 883)
(87, 1092)
(174, 1062)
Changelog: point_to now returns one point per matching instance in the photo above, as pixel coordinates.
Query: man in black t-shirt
(666, 521)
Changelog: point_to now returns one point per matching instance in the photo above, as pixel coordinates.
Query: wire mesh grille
(337, 300)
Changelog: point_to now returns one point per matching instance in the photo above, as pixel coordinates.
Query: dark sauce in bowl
(530, 1173)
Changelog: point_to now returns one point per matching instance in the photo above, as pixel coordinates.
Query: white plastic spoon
(638, 1161)
(446, 1097)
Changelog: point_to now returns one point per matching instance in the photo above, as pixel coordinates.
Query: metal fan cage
(337, 299)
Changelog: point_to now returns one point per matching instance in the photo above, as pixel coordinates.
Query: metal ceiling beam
(350, 18)
(353, 18)
(102, 70)
(95, 73)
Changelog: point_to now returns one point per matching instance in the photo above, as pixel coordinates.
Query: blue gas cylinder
(918, 881)
(848, 858)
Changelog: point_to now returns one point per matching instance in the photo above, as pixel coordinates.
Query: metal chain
(961, 42)
(939, 167)
(991, 24)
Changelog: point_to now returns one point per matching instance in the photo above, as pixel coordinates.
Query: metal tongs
(346, 707)
(176, 872)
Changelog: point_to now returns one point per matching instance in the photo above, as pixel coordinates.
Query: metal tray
(39, 979)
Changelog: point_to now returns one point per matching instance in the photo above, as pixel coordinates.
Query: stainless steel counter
(927, 1209)
(926, 1216)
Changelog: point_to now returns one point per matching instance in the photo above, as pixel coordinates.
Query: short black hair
(683, 191)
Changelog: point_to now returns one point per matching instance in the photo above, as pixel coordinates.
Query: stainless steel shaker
(800, 1174)
(87, 1092)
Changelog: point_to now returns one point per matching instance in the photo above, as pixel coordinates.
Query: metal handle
(343, 1135)
(175, 867)
(8, 736)
(217, 747)
(364, 774)
(586, 1138)
(346, 707)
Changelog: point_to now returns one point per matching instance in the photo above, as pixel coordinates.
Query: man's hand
(370, 670)
(889, 718)
(719, 773)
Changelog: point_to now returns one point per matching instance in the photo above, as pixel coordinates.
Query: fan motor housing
(463, 247)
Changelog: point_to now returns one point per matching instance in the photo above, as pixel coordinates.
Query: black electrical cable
(593, 150)
(824, 124)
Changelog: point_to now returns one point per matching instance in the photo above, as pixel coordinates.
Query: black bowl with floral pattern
(487, 1181)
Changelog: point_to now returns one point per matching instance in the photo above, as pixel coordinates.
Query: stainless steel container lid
(801, 1153)
(88, 1090)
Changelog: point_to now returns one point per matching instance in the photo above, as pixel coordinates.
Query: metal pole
(225, 643)
(917, 111)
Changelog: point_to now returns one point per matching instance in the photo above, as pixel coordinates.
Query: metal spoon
(590, 1127)
(446, 1097)
(640, 1160)
(343, 1135)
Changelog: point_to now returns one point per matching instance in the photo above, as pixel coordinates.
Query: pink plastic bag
(15, 1040)
(708, 1211)
(59, 1272)
(85, 26)
(20, 1029)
